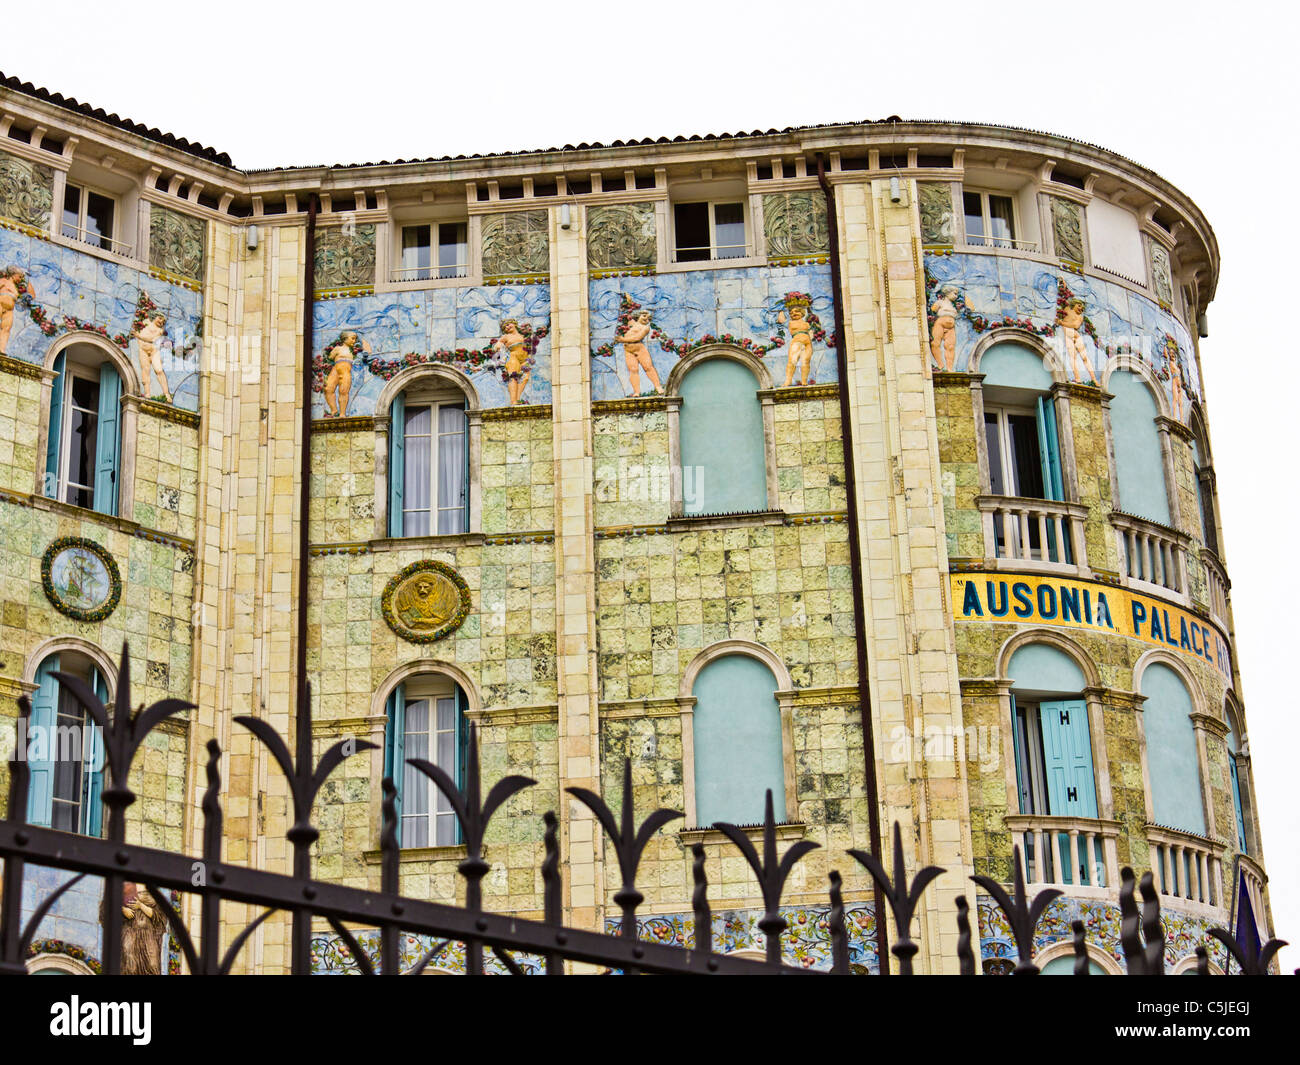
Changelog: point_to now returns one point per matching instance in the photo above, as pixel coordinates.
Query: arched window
(65, 749)
(1234, 777)
(1204, 485)
(737, 735)
(426, 719)
(428, 463)
(1063, 965)
(83, 445)
(1053, 751)
(723, 445)
(1139, 461)
(1172, 761)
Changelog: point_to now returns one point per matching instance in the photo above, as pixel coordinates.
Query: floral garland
(628, 309)
(145, 309)
(982, 324)
(470, 359)
(26, 300)
(71, 950)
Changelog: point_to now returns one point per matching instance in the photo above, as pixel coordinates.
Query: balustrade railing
(1034, 530)
(1187, 866)
(1151, 553)
(1067, 851)
(1216, 579)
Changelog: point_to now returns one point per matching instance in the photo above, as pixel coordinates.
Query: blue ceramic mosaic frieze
(750, 308)
(459, 326)
(61, 290)
(968, 295)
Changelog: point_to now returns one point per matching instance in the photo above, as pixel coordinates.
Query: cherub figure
(515, 345)
(11, 287)
(943, 334)
(150, 335)
(338, 383)
(800, 340)
(634, 350)
(1174, 368)
(1070, 319)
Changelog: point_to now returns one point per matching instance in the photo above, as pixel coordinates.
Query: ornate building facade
(858, 465)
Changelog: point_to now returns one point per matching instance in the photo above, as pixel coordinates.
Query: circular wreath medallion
(426, 601)
(80, 578)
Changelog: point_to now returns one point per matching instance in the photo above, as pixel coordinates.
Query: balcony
(401, 274)
(1253, 875)
(1034, 533)
(1217, 585)
(1005, 243)
(1151, 554)
(1187, 867)
(1067, 852)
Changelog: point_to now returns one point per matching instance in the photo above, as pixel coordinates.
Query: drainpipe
(304, 488)
(856, 566)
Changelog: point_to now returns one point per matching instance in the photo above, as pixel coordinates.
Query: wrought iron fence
(305, 898)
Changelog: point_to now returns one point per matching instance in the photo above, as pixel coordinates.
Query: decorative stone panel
(1161, 278)
(1067, 229)
(516, 244)
(621, 235)
(345, 256)
(794, 224)
(26, 191)
(176, 242)
(935, 200)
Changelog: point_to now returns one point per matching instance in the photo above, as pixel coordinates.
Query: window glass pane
(973, 205)
(99, 219)
(1001, 220)
(83, 422)
(71, 211)
(453, 249)
(729, 230)
(415, 252)
(415, 785)
(451, 470)
(418, 472)
(446, 830)
(993, 438)
(1026, 466)
(692, 231)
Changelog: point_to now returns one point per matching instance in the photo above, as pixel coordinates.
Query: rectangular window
(81, 438)
(1015, 462)
(990, 219)
(706, 231)
(432, 733)
(88, 217)
(420, 261)
(68, 793)
(436, 484)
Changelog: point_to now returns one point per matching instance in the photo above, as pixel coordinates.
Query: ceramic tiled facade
(593, 601)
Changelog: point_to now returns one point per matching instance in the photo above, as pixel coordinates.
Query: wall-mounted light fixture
(895, 190)
(250, 237)
(566, 219)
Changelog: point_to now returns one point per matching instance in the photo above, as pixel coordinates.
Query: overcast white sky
(1205, 94)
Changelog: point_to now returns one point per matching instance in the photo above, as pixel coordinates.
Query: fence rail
(305, 898)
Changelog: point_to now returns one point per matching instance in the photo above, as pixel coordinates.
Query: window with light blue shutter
(723, 447)
(738, 749)
(396, 464)
(93, 753)
(54, 442)
(395, 768)
(1173, 763)
(1139, 461)
(109, 445)
(1236, 791)
(1067, 758)
(40, 744)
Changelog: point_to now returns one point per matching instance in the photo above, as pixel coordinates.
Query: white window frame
(435, 403)
(80, 236)
(431, 688)
(1002, 413)
(402, 273)
(72, 370)
(71, 714)
(985, 240)
(746, 249)
(1032, 760)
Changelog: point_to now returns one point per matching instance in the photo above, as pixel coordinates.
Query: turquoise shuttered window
(1172, 760)
(1139, 461)
(395, 767)
(1067, 758)
(54, 443)
(1236, 796)
(1049, 449)
(739, 753)
(723, 449)
(396, 464)
(94, 755)
(109, 443)
(45, 709)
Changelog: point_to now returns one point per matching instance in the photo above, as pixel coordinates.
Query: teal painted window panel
(724, 456)
(1139, 464)
(1039, 667)
(1064, 966)
(738, 748)
(1171, 751)
(1011, 365)
(1236, 791)
(396, 463)
(1067, 758)
(54, 441)
(109, 443)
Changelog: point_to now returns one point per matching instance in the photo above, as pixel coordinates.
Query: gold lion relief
(426, 601)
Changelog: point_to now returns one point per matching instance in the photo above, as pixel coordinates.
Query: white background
(1204, 94)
